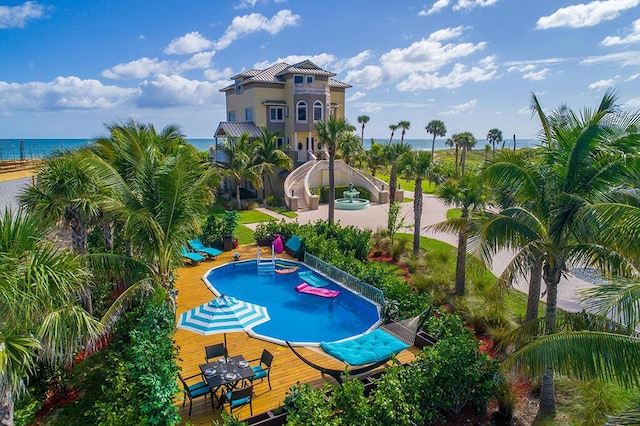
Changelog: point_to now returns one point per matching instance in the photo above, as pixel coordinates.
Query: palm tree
(374, 157)
(466, 141)
(469, 194)
(350, 148)
(582, 158)
(437, 129)
(268, 156)
(393, 128)
(363, 119)
(65, 193)
(241, 163)
(452, 143)
(417, 165)
(404, 125)
(494, 135)
(330, 133)
(393, 153)
(40, 318)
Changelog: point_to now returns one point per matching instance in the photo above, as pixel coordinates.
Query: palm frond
(619, 299)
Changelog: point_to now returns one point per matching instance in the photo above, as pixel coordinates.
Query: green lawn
(254, 216)
(283, 211)
(409, 185)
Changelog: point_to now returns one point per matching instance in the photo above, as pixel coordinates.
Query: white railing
(292, 178)
(347, 280)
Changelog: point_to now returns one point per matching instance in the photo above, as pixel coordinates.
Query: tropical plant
(404, 125)
(363, 120)
(65, 193)
(393, 128)
(470, 195)
(268, 156)
(374, 157)
(465, 141)
(393, 152)
(350, 148)
(330, 133)
(417, 165)
(437, 129)
(40, 318)
(452, 143)
(241, 162)
(494, 136)
(584, 158)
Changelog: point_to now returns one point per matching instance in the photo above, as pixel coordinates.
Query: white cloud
(198, 61)
(246, 4)
(459, 75)
(17, 16)
(354, 61)
(536, 75)
(633, 36)
(371, 107)
(63, 93)
(629, 58)
(368, 77)
(521, 68)
(140, 68)
(173, 90)
(457, 109)
(355, 96)
(458, 5)
(189, 43)
(213, 74)
(601, 85)
(247, 24)
(586, 15)
(633, 77)
(633, 103)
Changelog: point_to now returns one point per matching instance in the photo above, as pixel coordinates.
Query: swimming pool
(302, 319)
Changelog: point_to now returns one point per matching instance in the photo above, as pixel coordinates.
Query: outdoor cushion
(375, 346)
(259, 372)
(198, 389)
(294, 243)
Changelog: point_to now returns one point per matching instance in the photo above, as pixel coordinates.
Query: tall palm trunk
(78, 232)
(461, 260)
(332, 183)
(107, 234)
(417, 215)
(456, 160)
(535, 283)
(6, 408)
(238, 192)
(463, 159)
(393, 182)
(551, 276)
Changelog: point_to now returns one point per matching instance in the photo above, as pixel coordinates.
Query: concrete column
(293, 203)
(383, 197)
(399, 195)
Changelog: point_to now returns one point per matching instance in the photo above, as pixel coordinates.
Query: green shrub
(142, 366)
(309, 407)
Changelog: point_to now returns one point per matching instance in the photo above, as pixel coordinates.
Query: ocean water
(13, 149)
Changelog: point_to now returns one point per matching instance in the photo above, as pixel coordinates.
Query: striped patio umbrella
(224, 314)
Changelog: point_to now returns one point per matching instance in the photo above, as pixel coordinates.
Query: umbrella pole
(226, 352)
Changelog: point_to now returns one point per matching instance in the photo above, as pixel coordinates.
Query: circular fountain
(350, 200)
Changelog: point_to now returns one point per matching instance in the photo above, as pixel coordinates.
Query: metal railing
(345, 279)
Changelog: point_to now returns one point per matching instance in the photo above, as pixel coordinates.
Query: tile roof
(235, 129)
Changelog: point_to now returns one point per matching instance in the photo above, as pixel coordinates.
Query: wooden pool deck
(286, 369)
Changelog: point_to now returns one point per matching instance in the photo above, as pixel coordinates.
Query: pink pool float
(322, 292)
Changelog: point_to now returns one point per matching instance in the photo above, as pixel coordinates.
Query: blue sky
(68, 67)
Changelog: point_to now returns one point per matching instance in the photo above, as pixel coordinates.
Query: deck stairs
(266, 265)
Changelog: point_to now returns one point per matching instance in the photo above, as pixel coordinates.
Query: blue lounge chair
(193, 257)
(197, 245)
(293, 247)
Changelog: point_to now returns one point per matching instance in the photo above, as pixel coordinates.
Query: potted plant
(263, 235)
(229, 223)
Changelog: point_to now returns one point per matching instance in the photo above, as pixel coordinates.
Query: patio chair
(214, 351)
(197, 245)
(194, 258)
(195, 390)
(293, 247)
(263, 369)
(239, 397)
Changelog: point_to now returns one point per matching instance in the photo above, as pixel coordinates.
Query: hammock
(375, 348)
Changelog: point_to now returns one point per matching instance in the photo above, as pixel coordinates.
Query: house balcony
(310, 89)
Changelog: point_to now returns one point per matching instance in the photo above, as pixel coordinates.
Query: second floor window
(276, 114)
(238, 87)
(231, 116)
(248, 114)
(298, 79)
(317, 111)
(301, 112)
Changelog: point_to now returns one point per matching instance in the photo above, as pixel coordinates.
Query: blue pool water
(301, 318)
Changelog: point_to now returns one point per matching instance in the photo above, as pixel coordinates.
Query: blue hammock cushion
(375, 346)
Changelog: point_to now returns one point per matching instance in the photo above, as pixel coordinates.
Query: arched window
(302, 111)
(317, 111)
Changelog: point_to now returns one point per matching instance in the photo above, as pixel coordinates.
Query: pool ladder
(266, 265)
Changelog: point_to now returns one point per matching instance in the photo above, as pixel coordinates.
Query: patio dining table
(226, 373)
